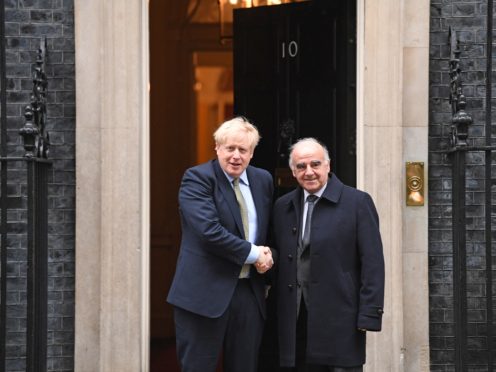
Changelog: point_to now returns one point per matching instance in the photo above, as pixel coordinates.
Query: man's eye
(301, 166)
(315, 164)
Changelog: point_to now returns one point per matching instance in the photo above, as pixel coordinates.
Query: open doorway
(214, 104)
(191, 92)
(191, 77)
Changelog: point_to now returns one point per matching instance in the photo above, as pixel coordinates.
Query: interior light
(226, 12)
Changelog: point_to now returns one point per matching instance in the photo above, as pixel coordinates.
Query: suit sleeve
(199, 212)
(372, 266)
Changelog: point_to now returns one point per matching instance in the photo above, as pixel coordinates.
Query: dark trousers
(301, 347)
(237, 334)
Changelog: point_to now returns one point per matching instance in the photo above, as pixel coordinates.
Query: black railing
(469, 353)
(3, 188)
(36, 165)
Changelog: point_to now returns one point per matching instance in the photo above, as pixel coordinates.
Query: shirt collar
(318, 193)
(243, 178)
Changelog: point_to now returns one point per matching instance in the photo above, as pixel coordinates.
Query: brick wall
(468, 20)
(27, 21)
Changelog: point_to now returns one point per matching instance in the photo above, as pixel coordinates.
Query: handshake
(265, 260)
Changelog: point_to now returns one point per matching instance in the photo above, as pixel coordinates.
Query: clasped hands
(265, 260)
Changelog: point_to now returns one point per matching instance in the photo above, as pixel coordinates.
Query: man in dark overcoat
(330, 267)
(218, 291)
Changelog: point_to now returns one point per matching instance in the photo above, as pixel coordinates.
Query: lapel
(228, 193)
(331, 193)
(296, 203)
(295, 206)
(333, 189)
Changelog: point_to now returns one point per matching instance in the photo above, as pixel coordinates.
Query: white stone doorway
(113, 180)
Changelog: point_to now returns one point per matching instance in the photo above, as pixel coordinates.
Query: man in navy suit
(330, 267)
(218, 291)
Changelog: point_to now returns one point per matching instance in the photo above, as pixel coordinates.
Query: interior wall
(174, 41)
(168, 140)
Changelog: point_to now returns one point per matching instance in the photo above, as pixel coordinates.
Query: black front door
(294, 77)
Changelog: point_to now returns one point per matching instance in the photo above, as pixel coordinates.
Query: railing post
(3, 190)
(36, 144)
(459, 135)
(488, 191)
(36, 351)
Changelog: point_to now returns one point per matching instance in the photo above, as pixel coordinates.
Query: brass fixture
(415, 184)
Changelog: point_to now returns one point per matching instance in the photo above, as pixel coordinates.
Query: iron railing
(37, 166)
(460, 148)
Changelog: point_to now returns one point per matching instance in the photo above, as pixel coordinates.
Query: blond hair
(236, 126)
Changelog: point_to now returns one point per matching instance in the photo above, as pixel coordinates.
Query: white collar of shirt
(318, 193)
(243, 178)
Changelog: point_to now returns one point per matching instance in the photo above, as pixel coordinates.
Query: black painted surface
(295, 67)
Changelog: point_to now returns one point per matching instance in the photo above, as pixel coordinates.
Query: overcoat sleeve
(372, 266)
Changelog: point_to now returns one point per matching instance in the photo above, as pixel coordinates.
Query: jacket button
(294, 230)
(290, 286)
(380, 311)
(290, 257)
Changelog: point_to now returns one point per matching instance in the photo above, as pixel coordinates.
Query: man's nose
(308, 169)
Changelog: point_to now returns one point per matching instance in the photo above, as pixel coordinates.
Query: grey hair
(304, 141)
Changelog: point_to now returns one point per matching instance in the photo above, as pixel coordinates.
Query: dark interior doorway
(191, 92)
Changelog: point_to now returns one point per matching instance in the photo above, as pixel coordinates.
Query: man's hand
(264, 261)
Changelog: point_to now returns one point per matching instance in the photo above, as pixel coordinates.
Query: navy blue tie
(311, 199)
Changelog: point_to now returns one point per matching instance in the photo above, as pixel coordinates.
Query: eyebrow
(312, 162)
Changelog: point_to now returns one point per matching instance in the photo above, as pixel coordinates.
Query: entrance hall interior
(191, 93)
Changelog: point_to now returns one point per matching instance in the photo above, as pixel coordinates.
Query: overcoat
(213, 249)
(346, 288)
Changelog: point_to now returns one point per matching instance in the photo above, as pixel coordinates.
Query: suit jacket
(213, 249)
(345, 279)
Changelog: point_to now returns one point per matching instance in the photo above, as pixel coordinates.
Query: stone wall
(468, 20)
(27, 22)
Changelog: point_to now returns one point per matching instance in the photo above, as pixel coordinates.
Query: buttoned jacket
(213, 249)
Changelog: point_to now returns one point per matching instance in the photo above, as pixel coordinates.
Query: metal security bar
(474, 336)
(37, 167)
(3, 188)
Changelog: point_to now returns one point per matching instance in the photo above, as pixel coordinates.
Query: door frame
(112, 186)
